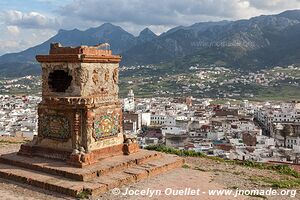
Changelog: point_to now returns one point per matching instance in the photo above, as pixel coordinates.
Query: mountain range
(260, 42)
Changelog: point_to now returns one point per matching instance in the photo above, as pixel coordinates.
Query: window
(59, 81)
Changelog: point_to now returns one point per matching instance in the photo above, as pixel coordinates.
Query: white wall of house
(157, 119)
(215, 135)
(264, 141)
(172, 130)
(146, 119)
(296, 147)
(170, 121)
(128, 104)
(291, 141)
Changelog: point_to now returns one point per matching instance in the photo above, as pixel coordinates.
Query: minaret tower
(131, 100)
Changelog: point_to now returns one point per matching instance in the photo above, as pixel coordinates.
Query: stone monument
(80, 116)
(80, 148)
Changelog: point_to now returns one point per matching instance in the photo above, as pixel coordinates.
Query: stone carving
(95, 77)
(76, 126)
(115, 76)
(106, 126)
(82, 75)
(106, 75)
(55, 127)
(82, 101)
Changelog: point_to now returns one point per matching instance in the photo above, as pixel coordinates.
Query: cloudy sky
(26, 23)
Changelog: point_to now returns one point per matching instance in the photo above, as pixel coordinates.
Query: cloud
(8, 45)
(275, 5)
(14, 30)
(170, 12)
(14, 39)
(31, 20)
(163, 14)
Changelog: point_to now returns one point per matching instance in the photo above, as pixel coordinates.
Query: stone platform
(94, 179)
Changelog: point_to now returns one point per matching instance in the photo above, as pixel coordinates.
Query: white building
(215, 135)
(296, 146)
(292, 141)
(174, 130)
(128, 102)
(146, 119)
(284, 113)
(264, 141)
(143, 107)
(157, 119)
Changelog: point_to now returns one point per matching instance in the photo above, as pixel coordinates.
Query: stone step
(133, 174)
(137, 173)
(99, 184)
(104, 166)
(41, 180)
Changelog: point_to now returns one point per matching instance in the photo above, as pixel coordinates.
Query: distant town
(244, 130)
(278, 83)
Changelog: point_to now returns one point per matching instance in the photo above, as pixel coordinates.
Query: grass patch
(284, 92)
(200, 169)
(286, 183)
(84, 194)
(186, 166)
(281, 169)
(233, 187)
(258, 196)
(170, 150)
(11, 142)
(237, 173)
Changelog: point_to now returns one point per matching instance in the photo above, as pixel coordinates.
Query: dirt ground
(197, 174)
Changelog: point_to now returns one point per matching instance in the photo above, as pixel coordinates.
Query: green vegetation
(281, 169)
(186, 166)
(258, 196)
(233, 187)
(12, 142)
(200, 169)
(235, 84)
(284, 92)
(170, 150)
(286, 183)
(84, 194)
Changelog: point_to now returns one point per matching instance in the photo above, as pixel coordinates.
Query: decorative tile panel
(54, 127)
(105, 126)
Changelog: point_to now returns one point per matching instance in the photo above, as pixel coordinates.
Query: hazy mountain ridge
(259, 42)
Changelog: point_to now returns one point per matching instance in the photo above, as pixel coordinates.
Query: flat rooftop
(89, 54)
